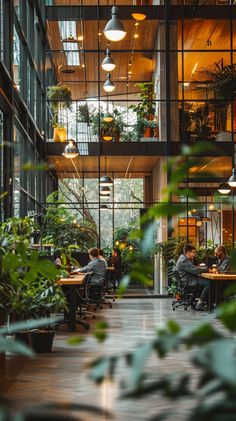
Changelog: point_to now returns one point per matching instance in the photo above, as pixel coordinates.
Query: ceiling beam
(62, 13)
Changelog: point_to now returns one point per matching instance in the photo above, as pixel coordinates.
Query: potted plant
(145, 110)
(201, 120)
(27, 283)
(83, 115)
(220, 87)
(60, 98)
(108, 131)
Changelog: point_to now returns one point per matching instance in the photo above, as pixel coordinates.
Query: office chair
(188, 293)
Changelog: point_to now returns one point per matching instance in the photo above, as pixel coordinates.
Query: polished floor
(63, 374)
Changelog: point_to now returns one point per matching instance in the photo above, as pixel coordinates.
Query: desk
(73, 282)
(218, 278)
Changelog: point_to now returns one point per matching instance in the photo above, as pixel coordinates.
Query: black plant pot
(24, 337)
(41, 341)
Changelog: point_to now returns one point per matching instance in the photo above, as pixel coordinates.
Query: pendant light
(114, 29)
(108, 64)
(108, 84)
(224, 188)
(71, 150)
(106, 180)
(108, 117)
(104, 207)
(232, 179)
(105, 191)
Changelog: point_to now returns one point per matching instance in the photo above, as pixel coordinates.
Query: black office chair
(188, 293)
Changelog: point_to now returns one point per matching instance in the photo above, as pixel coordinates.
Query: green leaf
(102, 325)
(9, 344)
(173, 326)
(100, 335)
(227, 314)
(75, 340)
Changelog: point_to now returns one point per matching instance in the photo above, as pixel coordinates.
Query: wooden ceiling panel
(120, 166)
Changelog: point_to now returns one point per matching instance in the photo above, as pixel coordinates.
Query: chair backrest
(180, 284)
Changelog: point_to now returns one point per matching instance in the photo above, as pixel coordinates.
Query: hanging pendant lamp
(71, 150)
(106, 180)
(232, 179)
(104, 207)
(105, 191)
(114, 29)
(224, 188)
(108, 84)
(108, 64)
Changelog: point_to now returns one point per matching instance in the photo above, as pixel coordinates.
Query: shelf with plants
(60, 98)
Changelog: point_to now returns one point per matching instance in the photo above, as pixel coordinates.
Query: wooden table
(217, 278)
(72, 282)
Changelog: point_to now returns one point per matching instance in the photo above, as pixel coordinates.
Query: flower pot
(24, 337)
(148, 132)
(59, 134)
(41, 340)
(178, 296)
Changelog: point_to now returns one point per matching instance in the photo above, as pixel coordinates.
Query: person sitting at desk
(223, 262)
(96, 266)
(101, 256)
(189, 273)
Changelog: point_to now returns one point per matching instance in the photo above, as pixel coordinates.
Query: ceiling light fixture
(224, 188)
(105, 191)
(106, 180)
(139, 16)
(232, 179)
(104, 207)
(108, 64)
(71, 150)
(108, 84)
(114, 29)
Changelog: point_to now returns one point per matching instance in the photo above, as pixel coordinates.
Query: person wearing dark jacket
(189, 273)
(223, 263)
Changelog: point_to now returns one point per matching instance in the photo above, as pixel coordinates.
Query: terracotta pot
(59, 134)
(178, 296)
(143, 2)
(148, 132)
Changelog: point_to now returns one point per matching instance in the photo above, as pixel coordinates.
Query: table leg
(72, 309)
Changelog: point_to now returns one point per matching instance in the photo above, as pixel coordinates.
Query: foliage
(62, 229)
(15, 230)
(144, 110)
(84, 114)
(220, 88)
(201, 119)
(113, 129)
(28, 288)
(60, 97)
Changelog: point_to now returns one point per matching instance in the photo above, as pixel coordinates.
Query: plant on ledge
(60, 98)
(220, 87)
(145, 111)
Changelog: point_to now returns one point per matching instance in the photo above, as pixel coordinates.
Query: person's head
(189, 251)
(101, 253)
(220, 252)
(93, 253)
(115, 252)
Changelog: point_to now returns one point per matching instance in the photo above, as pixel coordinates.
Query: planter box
(40, 341)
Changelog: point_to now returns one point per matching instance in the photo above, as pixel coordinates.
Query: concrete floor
(63, 374)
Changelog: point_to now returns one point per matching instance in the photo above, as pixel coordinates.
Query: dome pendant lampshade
(104, 191)
(71, 150)
(108, 85)
(104, 207)
(232, 180)
(224, 188)
(108, 64)
(114, 29)
(108, 118)
(105, 180)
